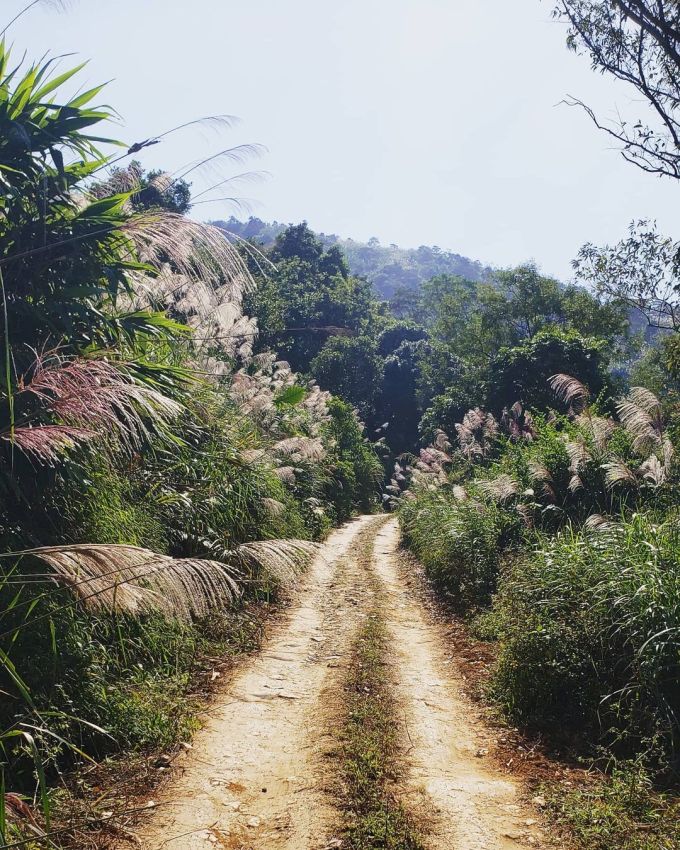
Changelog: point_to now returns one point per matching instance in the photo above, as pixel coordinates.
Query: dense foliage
(563, 530)
(184, 411)
(157, 478)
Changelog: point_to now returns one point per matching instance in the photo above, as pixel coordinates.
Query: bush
(357, 473)
(590, 626)
(460, 544)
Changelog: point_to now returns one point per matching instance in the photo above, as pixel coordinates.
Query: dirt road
(258, 777)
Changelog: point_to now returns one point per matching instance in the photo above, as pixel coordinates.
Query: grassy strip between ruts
(373, 816)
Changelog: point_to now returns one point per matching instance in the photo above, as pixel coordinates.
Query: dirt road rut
(257, 777)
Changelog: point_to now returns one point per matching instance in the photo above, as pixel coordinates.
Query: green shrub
(357, 473)
(590, 628)
(460, 544)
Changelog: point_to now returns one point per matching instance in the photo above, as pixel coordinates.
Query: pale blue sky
(416, 121)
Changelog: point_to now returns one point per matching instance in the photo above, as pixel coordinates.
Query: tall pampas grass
(86, 397)
(135, 581)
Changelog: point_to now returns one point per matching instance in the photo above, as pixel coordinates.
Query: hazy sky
(416, 121)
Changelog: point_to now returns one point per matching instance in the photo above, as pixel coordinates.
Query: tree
(640, 271)
(350, 368)
(638, 42)
(158, 191)
(475, 319)
(308, 298)
(522, 373)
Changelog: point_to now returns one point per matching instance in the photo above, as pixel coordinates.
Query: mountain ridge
(388, 267)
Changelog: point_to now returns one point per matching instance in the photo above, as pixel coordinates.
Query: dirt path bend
(253, 777)
(474, 806)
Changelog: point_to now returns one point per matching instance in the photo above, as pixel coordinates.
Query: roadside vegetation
(547, 513)
(185, 414)
(160, 482)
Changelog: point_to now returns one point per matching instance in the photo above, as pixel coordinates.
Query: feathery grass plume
(600, 429)
(599, 522)
(641, 414)
(548, 492)
(490, 427)
(441, 441)
(136, 581)
(501, 489)
(282, 560)
(617, 474)
(459, 493)
(578, 454)
(301, 448)
(47, 444)
(286, 474)
(59, 5)
(570, 390)
(526, 514)
(517, 423)
(575, 483)
(88, 396)
(653, 471)
(195, 250)
(668, 452)
(538, 471)
(466, 431)
(273, 506)
(256, 393)
(433, 456)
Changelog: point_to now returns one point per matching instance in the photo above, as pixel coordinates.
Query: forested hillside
(457, 486)
(388, 267)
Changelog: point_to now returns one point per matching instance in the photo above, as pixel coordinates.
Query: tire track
(254, 777)
(470, 805)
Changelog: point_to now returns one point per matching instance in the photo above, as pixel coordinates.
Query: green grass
(373, 816)
(623, 812)
(590, 640)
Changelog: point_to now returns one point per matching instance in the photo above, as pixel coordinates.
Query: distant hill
(388, 267)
